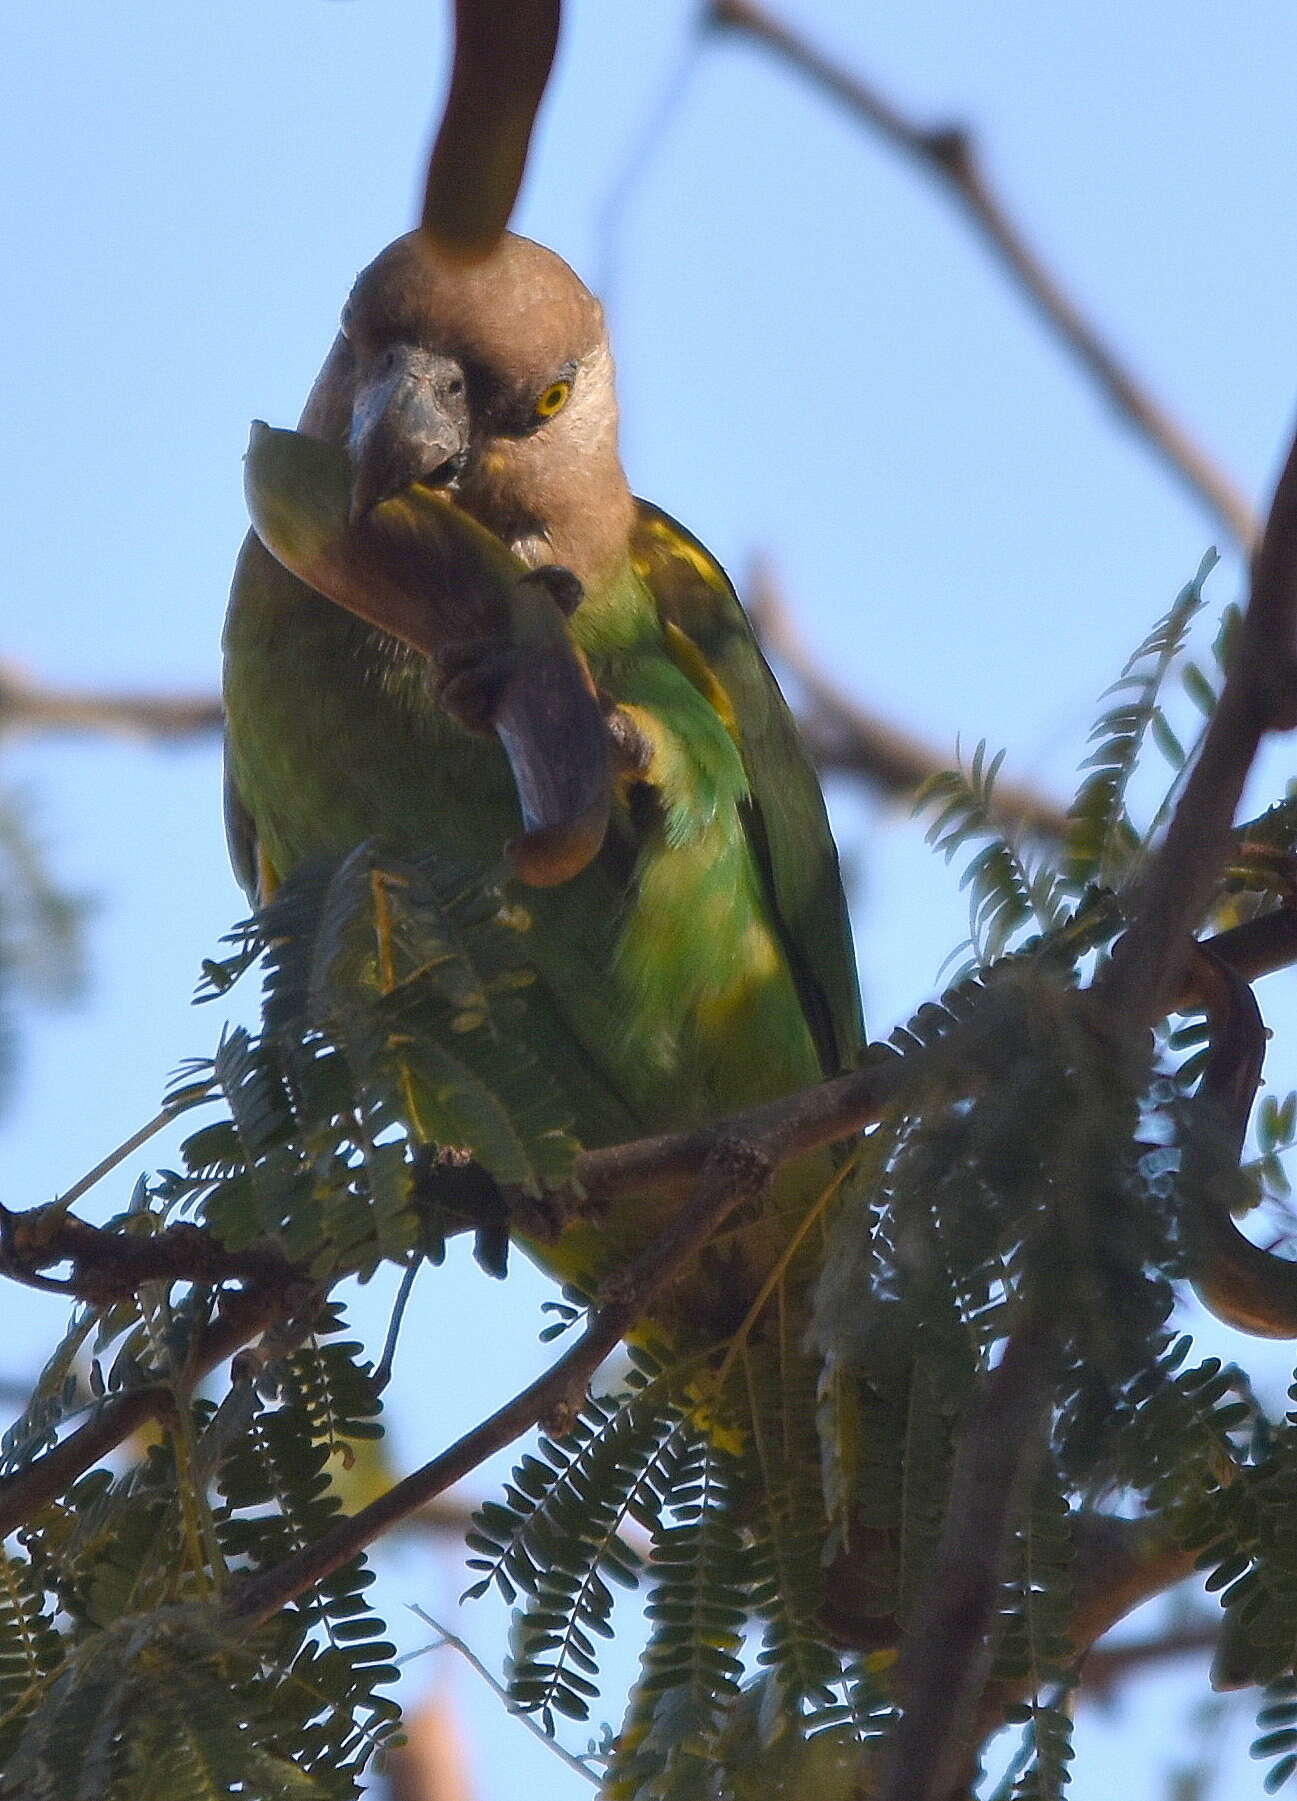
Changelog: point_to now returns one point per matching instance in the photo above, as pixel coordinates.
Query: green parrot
(702, 961)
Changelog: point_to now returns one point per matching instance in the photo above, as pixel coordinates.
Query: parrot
(702, 961)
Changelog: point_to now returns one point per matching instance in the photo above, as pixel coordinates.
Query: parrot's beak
(409, 423)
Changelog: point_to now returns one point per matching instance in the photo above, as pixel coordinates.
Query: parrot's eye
(553, 400)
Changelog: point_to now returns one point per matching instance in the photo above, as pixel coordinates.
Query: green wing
(711, 638)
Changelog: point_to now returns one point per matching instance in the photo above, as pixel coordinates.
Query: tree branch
(1260, 696)
(28, 1490)
(667, 1166)
(503, 53)
(948, 153)
(843, 737)
(27, 705)
(943, 1667)
(1106, 1666)
(112, 1266)
(736, 1170)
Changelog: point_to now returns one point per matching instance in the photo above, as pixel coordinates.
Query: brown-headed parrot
(701, 961)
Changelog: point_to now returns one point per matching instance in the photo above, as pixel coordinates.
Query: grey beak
(409, 422)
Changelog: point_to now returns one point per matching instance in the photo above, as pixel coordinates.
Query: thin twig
(842, 736)
(27, 705)
(1109, 1665)
(447, 1640)
(383, 1368)
(127, 1148)
(1260, 696)
(734, 1172)
(948, 153)
(28, 1490)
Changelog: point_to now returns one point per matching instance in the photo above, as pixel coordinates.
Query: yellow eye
(553, 400)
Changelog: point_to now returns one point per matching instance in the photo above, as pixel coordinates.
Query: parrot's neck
(592, 539)
(617, 612)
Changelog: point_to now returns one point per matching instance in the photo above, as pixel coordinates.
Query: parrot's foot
(457, 1192)
(560, 584)
(469, 679)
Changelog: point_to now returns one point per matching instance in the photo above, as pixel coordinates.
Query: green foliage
(1034, 1651)
(670, 1743)
(792, 1481)
(556, 1536)
(30, 1648)
(1278, 1736)
(1007, 889)
(1103, 840)
(390, 1027)
(388, 1040)
(117, 1724)
(122, 1588)
(782, 1473)
(1014, 887)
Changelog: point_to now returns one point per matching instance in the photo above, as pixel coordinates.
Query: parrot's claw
(469, 679)
(560, 584)
(457, 1191)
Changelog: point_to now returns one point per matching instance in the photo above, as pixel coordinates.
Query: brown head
(493, 381)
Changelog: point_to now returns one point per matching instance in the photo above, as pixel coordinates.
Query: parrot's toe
(469, 680)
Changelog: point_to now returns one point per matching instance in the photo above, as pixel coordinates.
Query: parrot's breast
(663, 999)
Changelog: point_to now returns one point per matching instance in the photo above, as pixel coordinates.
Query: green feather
(700, 964)
(784, 817)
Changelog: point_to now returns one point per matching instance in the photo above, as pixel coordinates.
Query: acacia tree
(1014, 1442)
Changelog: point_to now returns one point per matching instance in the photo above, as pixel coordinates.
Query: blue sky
(817, 363)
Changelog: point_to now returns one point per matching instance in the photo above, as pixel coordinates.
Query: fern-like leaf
(1101, 838)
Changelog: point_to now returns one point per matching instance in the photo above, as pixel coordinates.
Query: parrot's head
(492, 381)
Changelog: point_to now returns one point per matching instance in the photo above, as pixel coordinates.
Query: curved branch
(948, 153)
(1259, 697)
(1120, 1564)
(843, 737)
(504, 50)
